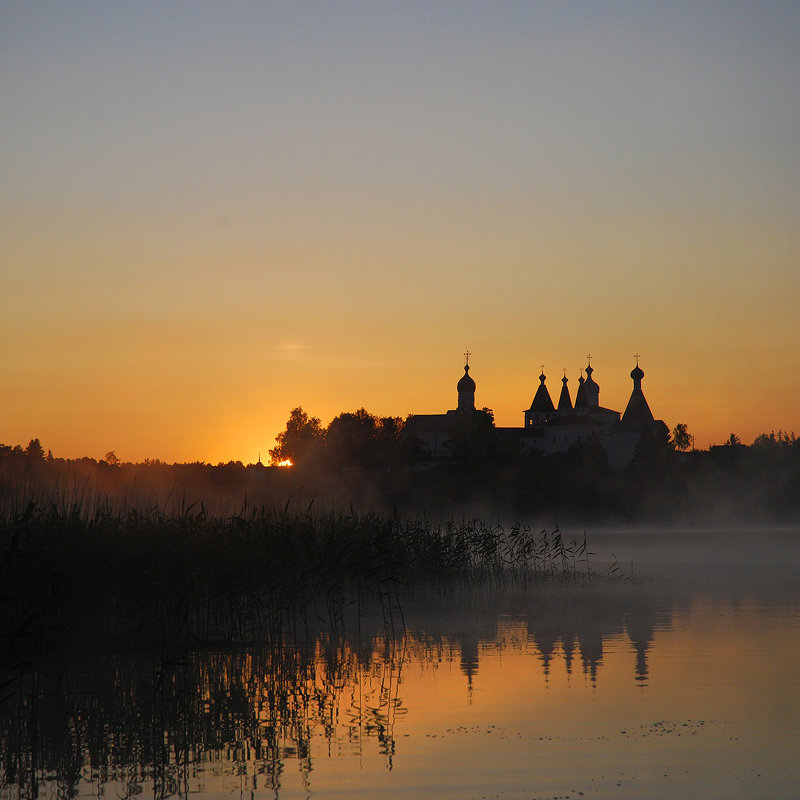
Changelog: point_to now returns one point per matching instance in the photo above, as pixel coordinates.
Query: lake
(676, 678)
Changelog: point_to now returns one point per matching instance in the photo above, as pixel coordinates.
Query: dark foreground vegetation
(103, 574)
(157, 606)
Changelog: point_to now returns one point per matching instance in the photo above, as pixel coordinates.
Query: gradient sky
(213, 212)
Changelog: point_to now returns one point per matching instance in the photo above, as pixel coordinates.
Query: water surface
(682, 682)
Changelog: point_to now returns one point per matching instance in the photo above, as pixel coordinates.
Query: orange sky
(211, 216)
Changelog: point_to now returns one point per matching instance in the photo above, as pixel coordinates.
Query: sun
(287, 462)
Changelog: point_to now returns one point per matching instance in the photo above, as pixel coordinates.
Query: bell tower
(466, 388)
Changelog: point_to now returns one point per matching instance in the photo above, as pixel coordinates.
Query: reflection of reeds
(147, 720)
(91, 573)
(157, 720)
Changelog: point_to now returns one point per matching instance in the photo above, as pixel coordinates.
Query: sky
(211, 213)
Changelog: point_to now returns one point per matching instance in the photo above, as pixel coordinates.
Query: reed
(92, 566)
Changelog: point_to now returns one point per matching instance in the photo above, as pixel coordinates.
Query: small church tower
(541, 407)
(637, 411)
(591, 388)
(466, 389)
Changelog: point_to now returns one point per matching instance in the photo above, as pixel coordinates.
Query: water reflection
(286, 717)
(563, 626)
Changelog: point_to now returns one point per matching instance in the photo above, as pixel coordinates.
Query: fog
(758, 560)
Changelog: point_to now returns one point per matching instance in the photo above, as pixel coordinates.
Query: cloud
(292, 351)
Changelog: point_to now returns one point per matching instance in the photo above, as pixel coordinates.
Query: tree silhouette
(652, 453)
(773, 440)
(359, 439)
(302, 440)
(351, 439)
(473, 437)
(681, 437)
(35, 450)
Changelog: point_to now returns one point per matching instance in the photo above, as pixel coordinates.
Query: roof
(580, 397)
(564, 403)
(541, 400)
(427, 422)
(637, 412)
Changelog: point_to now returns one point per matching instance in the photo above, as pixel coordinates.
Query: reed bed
(192, 600)
(98, 568)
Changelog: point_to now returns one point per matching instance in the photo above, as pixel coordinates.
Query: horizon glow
(213, 215)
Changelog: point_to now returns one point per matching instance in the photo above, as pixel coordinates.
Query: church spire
(564, 403)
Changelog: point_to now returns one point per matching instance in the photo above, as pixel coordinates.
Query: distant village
(548, 427)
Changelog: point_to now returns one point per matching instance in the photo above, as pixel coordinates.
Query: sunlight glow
(287, 462)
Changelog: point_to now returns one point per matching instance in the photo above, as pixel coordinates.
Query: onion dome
(466, 391)
(592, 389)
(466, 384)
(637, 373)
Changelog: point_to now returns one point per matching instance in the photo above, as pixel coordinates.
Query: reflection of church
(565, 628)
(550, 428)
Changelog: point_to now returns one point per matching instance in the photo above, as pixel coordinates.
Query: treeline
(367, 463)
(88, 485)
(485, 474)
(351, 440)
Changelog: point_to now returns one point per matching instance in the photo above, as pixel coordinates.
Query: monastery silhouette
(549, 428)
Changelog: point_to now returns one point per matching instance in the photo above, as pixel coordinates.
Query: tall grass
(93, 567)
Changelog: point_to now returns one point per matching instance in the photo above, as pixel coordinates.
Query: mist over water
(765, 559)
(677, 679)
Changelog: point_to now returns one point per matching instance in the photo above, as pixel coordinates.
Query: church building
(549, 428)
(434, 430)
